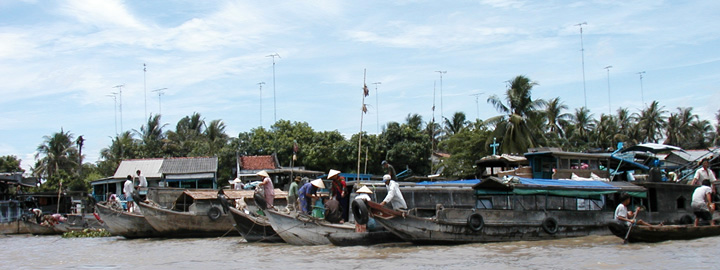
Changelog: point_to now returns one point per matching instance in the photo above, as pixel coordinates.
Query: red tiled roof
(257, 162)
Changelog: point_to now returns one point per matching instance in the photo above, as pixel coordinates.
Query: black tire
(214, 213)
(136, 197)
(223, 202)
(260, 201)
(475, 222)
(360, 211)
(550, 225)
(687, 219)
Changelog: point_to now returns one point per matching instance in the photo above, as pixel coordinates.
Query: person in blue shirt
(307, 193)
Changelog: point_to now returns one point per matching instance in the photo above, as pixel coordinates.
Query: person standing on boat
(389, 169)
(129, 189)
(394, 196)
(363, 194)
(702, 204)
(623, 215)
(337, 190)
(268, 188)
(307, 193)
(142, 181)
(293, 194)
(703, 173)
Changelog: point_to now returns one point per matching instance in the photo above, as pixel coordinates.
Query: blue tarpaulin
(466, 181)
(567, 183)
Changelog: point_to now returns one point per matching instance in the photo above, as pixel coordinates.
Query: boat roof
(652, 148)
(239, 194)
(519, 185)
(202, 194)
(501, 160)
(564, 154)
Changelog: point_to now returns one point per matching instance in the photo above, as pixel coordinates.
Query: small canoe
(303, 230)
(126, 224)
(652, 234)
(254, 228)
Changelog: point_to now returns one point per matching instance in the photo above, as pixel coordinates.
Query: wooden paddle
(637, 210)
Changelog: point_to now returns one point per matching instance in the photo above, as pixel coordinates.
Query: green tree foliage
(466, 147)
(407, 146)
(10, 164)
(518, 126)
(56, 154)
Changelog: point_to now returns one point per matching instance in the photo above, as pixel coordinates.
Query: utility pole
(261, 84)
(582, 52)
(119, 87)
(608, 79)
(160, 92)
(377, 108)
(274, 97)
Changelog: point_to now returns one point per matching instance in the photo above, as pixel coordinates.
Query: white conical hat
(364, 189)
(263, 173)
(333, 173)
(318, 183)
(237, 180)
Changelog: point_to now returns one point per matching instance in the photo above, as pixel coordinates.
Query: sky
(60, 62)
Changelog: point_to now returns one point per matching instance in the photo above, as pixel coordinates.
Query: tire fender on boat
(214, 213)
(550, 225)
(360, 211)
(475, 222)
(687, 219)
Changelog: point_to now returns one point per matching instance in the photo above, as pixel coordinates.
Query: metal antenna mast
(582, 52)
(261, 84)
(119, 87)
(442, 118)
(608, 77)
(642, 95)
(114, 97)
(477, 103)
(274, 97)
(145, 88)
(160, 92)
(377, 108)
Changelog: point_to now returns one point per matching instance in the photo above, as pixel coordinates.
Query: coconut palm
(583, 124)
(456, 124)
(554, 116)
(517, 125)
(152, 137)
(678, 127)
(651, 121)
(56, 154)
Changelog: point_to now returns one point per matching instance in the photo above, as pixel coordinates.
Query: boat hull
(122, 223)
(363, 238)
(254, 228)
(14, 227)
(302, 230)
(653, 234)
(176, 224)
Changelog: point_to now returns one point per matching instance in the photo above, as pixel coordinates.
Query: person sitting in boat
(268, 188)
(333, 213)
(307, 193)
(702, 204)
(394, 196)
(623, 215)
(337, 190)
(703, 173)
(363, 194)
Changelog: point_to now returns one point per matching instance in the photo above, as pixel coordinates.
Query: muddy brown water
(592, 252)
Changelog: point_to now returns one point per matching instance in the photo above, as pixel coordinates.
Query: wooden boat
(253, 227)
(125, 224)
(303, 230)
(521, 209)
(14, 227)
(652, 234)
(363, 238)
(39, 229)
(196, 213)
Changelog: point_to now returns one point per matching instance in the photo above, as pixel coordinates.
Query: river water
(592, 252)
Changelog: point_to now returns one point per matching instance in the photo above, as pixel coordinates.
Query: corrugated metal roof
(189, 165)
(150, 168)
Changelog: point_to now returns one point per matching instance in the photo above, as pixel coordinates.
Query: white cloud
(104, 14)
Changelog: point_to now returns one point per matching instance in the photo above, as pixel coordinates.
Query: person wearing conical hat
(363, 194)
(268, 188)
(307, 193)
(337, 191)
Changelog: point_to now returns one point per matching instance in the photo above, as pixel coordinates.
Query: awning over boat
(567, 188)
(463, 182)
(652, 148)
(202, 194)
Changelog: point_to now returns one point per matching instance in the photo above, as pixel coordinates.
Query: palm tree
(516, 126)
(456, 124)
(651, 121)
(414, 121)
(555, 118)
(58, 154)
(583, 124)
(215, 136)
(678, 127)
(186, 135)
(152, 137)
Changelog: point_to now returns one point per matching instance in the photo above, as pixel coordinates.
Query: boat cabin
(196, 201)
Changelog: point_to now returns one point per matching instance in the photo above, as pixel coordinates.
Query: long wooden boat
(196, 213)
(253, 227)
(303, 230)
(38, 229)
(521, 209)
(362, 238)
(653, 234)
(125, 224)
(14, 227)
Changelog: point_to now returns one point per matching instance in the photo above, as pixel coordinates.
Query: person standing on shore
(394, 196)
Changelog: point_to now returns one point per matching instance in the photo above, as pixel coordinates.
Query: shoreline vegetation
(522, 123)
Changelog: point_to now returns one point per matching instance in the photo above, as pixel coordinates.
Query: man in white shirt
(128, 190)
(622, 214)
(394, 196)
(703, 173)
(702, 204)
(141, 178)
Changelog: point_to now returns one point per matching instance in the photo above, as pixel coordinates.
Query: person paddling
(623, 215)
